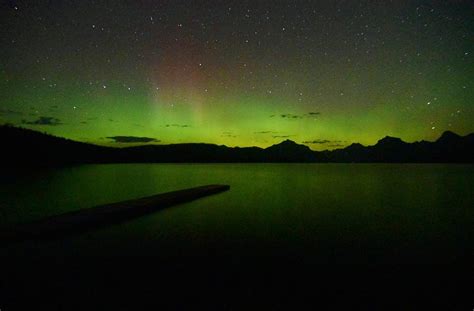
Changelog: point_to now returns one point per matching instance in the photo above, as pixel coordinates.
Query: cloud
(228, 134)
(317, 141)
(10, 112)
(133, 139)
(265, 132)
(177, 125)
(290, 116)
(44, 121)
(324, 142)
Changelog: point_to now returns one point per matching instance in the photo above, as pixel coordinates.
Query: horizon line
(157, 142)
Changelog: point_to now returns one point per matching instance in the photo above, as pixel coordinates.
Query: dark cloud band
(51, 121)
(133, 139)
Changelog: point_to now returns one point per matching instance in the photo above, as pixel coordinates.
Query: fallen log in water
(85, 219)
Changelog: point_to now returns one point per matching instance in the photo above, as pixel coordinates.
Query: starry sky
(239, 73)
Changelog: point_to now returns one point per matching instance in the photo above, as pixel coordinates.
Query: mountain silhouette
(391, 142)
(449, 137)
(25, 148)
(289, 151)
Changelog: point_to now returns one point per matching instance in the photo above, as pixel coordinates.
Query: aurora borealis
(239, 73)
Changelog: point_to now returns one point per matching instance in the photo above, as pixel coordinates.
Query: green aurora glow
(240, 73)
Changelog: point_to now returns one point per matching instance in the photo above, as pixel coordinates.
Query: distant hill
(449, 148)
(23, 147)
(31, 148)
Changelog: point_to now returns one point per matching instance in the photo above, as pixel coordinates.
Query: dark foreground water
(362, 213)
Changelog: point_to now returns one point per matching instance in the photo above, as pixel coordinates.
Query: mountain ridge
(24, 147)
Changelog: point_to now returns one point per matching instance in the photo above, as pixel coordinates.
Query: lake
(362, 213)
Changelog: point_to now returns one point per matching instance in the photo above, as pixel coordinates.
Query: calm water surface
(315, 212)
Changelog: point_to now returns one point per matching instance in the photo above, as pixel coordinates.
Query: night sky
(239, 73)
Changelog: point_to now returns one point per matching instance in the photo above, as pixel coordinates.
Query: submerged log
(85, 219)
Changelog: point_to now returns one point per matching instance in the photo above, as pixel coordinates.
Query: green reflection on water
(319, 212)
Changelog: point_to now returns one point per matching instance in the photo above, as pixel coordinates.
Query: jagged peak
(288, 144)
(390, 140)
(354, 146)
(448, 135)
